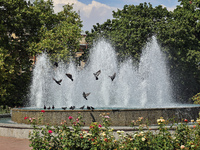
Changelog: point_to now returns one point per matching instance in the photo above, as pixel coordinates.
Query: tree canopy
(130, 28)
(177, 33)
(28, 29)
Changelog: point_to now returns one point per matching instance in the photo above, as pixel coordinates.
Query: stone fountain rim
(103, 110)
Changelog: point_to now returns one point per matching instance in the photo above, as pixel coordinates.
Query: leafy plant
(70, 135)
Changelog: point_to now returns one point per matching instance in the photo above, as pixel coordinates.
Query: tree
(177, 33)
(130, 29)
(61, 41)
(22, 25)
(180, 37)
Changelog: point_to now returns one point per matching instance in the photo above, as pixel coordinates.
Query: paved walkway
(11, 143)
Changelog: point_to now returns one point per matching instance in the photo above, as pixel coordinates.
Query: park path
(11, 143)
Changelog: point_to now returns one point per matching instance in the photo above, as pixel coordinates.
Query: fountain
(137, 90)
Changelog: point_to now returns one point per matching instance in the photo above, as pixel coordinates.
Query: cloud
(170, 8)
(91, 14)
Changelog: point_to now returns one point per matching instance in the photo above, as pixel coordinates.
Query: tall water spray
(146, 85)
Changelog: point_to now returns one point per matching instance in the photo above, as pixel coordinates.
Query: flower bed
(100, 136)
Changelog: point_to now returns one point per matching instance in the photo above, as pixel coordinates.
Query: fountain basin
(119, 117)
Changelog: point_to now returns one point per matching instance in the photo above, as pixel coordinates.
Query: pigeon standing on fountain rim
(82, 107)
(64, 108)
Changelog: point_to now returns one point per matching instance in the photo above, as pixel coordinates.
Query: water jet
(143, 90)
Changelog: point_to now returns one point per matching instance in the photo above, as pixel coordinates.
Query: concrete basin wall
(119, 117)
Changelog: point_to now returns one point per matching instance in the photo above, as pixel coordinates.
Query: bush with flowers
(69, 135)
(196, 98)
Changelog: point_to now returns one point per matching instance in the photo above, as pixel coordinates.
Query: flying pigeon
(82, 107)
(69, 76)
(113, 76)
(58, 82)
(85, 95)
(97, 74)
(55, 64)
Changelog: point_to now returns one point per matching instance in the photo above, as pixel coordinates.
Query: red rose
(70, 117)
(99, 125)
(50, 131)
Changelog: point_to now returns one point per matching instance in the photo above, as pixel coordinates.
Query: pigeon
(93, 119)
(49, 107)
(58, 82)
(55, 64)
(97, 74)
(64, 108)
(85, 95)
(72, 107)
(88, 107)
(82, 107)
(53, 107)
(113, 76)
(91, 107)
(45, 107)
(69, 76)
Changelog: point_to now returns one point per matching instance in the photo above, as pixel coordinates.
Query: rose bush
(70, 135)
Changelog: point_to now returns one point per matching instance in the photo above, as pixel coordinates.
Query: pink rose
(50, 131)
(99, 125)
(70, 117)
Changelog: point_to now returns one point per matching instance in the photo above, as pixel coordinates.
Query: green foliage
(180, 38)
(28, 29)
(4, 109)
(61, 41)
(64, 137)
(196, 98)
(177, 33)
(130, 28)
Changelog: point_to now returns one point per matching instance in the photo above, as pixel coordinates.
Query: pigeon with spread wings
(113, 76)
(97, 74)
(85, 95)
(58, 82)
(69, 76)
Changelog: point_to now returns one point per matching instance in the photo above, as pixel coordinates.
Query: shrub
(70, 135)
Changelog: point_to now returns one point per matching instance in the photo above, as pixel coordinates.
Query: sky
(98, 11)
